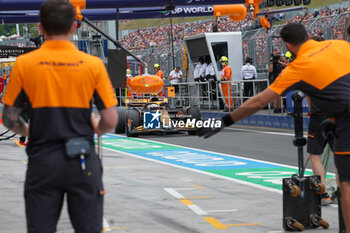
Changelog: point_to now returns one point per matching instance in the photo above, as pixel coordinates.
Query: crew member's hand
(208, 132)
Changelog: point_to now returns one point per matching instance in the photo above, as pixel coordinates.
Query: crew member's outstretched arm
(253, 105)
(250, 107)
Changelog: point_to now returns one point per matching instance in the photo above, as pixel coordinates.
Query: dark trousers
(248, 90)
(52, 176)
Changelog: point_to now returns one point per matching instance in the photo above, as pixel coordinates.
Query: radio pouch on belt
(75, 147)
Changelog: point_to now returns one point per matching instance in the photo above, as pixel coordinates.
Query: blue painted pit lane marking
(252, 172)
(201, 160)
(109, 136)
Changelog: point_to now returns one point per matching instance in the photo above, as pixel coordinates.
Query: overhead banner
(111, 14)
(16, 5)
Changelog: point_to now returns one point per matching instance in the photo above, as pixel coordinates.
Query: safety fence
(163, 56)
(260, 44)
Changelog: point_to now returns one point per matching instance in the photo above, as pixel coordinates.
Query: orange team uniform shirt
(227, 73)
(160, 74)
(322, 71)
(60, 83)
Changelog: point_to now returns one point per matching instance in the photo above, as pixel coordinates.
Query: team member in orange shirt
(60, 89)
(226, 76)
(129, 77)
(158, 71)
(160, 74)
(321, 70)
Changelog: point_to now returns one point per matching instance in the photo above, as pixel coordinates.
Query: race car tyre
(120, 128)
(194, 112)
(132, 121)
(192, 132)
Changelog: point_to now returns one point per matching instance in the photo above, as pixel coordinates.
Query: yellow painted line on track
(25, 162)
(186, 201)
(243, 224)
(199, 197)
(105, 229)
(117, 228)
(215, 223)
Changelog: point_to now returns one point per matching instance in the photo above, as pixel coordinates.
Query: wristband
(227, 119)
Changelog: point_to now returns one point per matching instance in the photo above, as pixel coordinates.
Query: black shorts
(342, 147)
(50, 177)
(315, 144)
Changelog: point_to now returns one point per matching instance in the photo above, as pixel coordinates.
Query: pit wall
(271, 121)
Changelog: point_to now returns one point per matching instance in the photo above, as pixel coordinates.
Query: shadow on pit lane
(181, 134)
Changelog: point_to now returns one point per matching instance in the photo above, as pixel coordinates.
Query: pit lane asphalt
(141, 194)
(272, 145)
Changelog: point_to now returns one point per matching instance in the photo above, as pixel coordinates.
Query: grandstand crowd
(317, 22)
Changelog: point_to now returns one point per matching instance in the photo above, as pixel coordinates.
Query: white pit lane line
(106, 226)
(262, 132)
(193, 207)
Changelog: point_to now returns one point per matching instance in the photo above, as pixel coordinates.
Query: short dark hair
(57, 16)
(294, 33)
(318, 38)
(249, 60)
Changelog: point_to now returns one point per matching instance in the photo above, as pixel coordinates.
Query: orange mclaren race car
(151, 113)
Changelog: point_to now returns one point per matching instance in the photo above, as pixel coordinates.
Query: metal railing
(207, 94)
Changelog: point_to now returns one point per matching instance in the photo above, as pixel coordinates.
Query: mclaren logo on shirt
(60, 64)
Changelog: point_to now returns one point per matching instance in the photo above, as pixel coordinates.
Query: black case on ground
(304, 208)
(301, 194)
